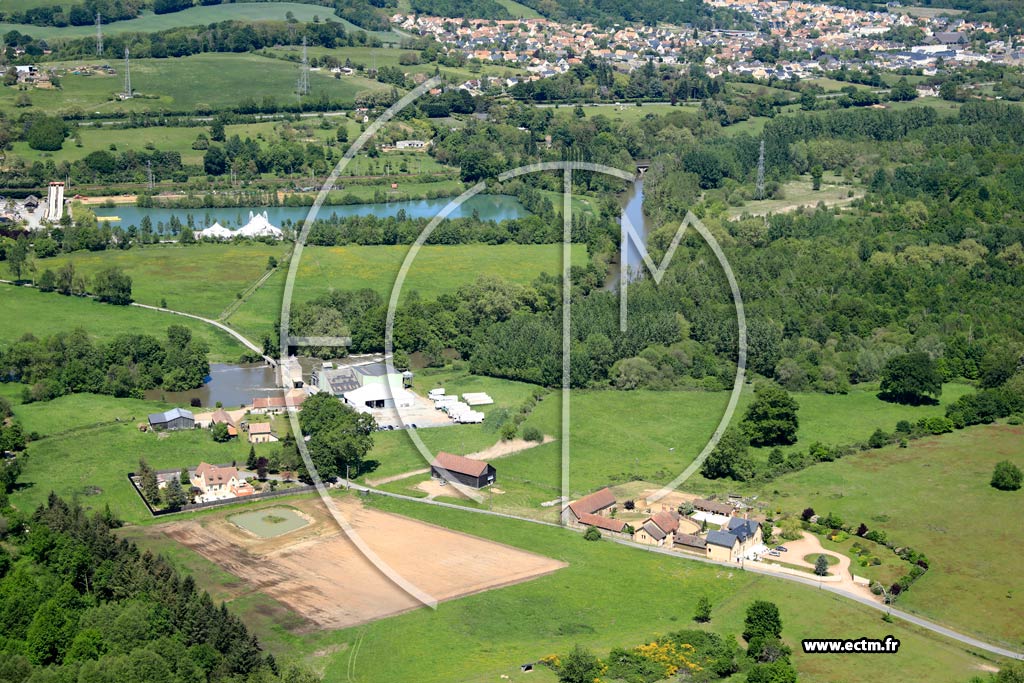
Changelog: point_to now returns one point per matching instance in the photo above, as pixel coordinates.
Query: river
(232, 385)
(492, 207)
(633, 209)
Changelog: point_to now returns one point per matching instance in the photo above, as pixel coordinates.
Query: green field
(27, 310)
(608, 596)
(935, 497)
(436, 270)
(78, 411)
(196, 16)
(212, 81)
(199, 278)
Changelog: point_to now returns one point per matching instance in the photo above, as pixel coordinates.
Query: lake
(490, 207)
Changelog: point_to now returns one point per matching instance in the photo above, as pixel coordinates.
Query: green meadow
(609, 596)
(211, 81)
(195, 16)
(199, 278)
(935, 496)
(436, 270)
(28, 310)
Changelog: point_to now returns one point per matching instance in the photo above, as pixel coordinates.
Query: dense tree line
(127, 365)
(82, 14)
(652, 12)
(79, 603)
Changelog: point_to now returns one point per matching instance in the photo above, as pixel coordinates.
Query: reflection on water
(232, 385)
(633, 209)
(487, 207)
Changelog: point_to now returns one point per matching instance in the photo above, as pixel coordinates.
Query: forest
(77, 603)
(126, 366)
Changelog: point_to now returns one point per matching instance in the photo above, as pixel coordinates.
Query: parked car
(782, 548)
(774, 553)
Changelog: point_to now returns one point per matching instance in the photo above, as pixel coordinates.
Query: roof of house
(459, 464)
(743, 528)
(268, 402)
(600, 522)
(260, 428)
(172, 414)
(221, 416)
(598, 500)
(372, 369)
(654, 531)
(667, 520)
(213, 475)
(689, 540)
(713, 506)
(722, 538)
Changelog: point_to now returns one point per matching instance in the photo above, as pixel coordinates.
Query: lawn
(46, 313)
(212, 80)
(195, 16)
(935, 497)
(91, 464)
(436, 270)
(596, 601)
(78, 411)
(200, 278)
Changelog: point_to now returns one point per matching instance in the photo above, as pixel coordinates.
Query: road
(750, 567)
(237, 335)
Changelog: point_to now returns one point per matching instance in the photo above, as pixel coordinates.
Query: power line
(127, 94)
(303, 87)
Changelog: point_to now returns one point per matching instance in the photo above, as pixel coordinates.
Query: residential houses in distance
(833, 34)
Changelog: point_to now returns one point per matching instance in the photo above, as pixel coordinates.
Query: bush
(533, 434)
(1007, 476)
(592, 534)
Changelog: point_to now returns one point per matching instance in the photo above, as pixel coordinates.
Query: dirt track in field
(318, 573)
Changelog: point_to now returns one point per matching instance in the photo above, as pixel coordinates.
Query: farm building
(176, 418)
(714, 507)
(690, 542)
(473, 473)
(275, 405)
(616, 526)
(597, 503)
(660, 528)
(377, 396)
(261, 432)
(337, 381)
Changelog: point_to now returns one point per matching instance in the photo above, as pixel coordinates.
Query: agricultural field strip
(918, 621)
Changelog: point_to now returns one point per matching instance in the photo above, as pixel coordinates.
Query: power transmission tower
(99, 35)
(760, 173)
(127, 94)
(303, 88)
(149, 173)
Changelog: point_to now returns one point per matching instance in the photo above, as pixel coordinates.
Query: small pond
(269, 522)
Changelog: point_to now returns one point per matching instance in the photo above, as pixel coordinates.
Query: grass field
(594, 601)
(196, 16)
(374, 57)
(28, 310)
(212, 80)
(77, 411)
(436, 270)
(91, 463)
(198, 278)
(797, 193)
(935, 497)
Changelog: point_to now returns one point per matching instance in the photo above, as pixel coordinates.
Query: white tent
(259, 226)
(217, 232)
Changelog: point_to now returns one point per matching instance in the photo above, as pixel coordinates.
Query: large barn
(473, 473)
(175, 418)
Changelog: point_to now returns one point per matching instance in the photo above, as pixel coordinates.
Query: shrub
(1007, 476)
(592, 534)
(533, 434)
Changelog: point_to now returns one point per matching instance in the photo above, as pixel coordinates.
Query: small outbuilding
(175, 418)
(473, 473)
